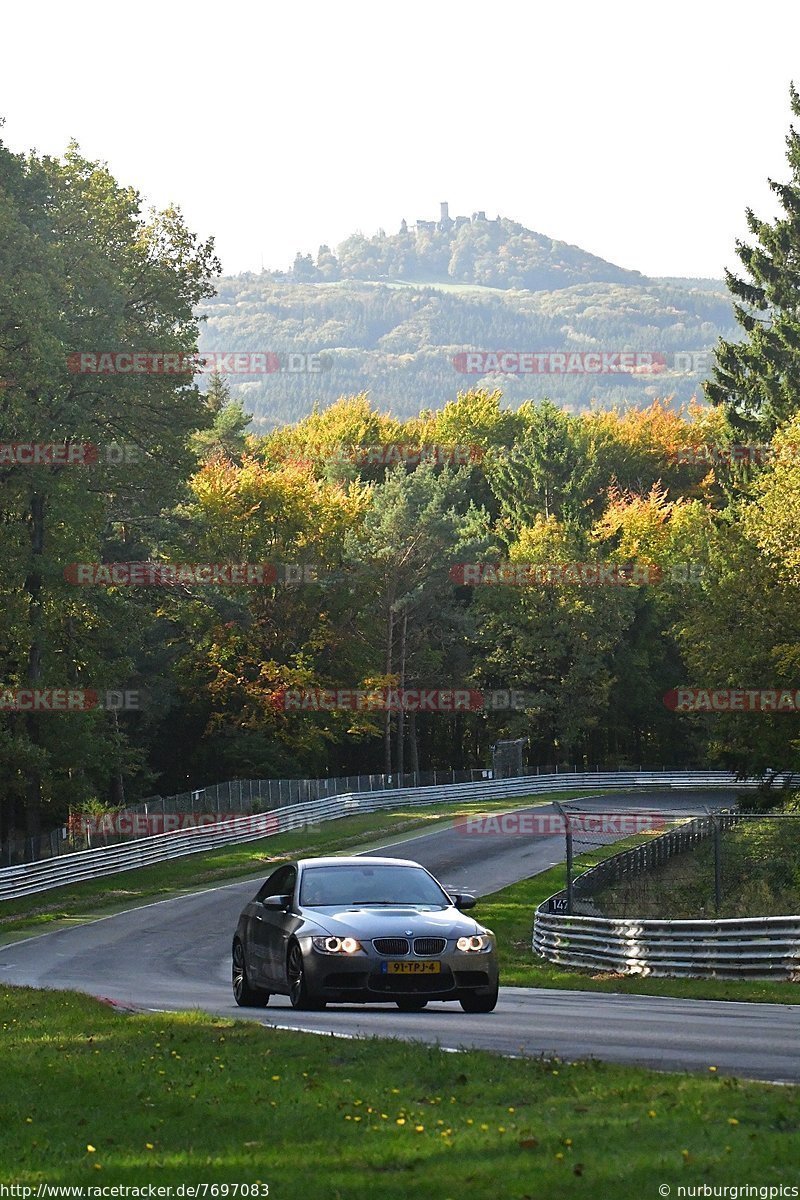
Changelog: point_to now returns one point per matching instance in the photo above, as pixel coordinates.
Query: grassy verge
(124, 890)
(510, 914)
(93, 1097)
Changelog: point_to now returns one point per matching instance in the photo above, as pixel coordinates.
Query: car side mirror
(277, 903)
(464, 901)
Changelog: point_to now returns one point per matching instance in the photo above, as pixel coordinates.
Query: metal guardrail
(754, 947)
(702, 948)
(29, 878)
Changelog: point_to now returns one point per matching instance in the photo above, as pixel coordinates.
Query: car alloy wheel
(298, 989)
(245, 995)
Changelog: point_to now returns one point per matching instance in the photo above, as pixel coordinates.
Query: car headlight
(336, 945)
(475, 944)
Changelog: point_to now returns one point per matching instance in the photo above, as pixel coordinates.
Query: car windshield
(370, 885)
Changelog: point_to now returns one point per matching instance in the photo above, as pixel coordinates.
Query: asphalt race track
(175, 954)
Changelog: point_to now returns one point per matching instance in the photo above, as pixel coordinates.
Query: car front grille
(396, 945)
(429, 945)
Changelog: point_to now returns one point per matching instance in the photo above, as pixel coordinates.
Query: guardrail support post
(568, 843)
(717, 864)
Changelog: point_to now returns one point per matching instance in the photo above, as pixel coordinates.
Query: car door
(270, 929)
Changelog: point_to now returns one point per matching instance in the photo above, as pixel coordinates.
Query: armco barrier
(748, 947)
(29, 878)
(753, 947)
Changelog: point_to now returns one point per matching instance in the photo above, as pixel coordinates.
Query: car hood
(367, 923)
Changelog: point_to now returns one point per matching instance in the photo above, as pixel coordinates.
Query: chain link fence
(185, 810)
(726, 865)
(157, 814)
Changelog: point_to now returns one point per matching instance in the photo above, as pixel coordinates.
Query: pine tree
(218, 394)
(757, 380)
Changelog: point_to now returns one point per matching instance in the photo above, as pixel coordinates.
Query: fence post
(568, 840)
(717, 864)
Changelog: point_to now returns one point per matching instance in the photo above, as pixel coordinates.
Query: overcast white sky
(639, 132)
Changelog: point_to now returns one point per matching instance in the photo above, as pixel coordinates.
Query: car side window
(280, 883)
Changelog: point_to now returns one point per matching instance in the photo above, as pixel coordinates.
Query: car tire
(479, 1004)
(411, 1004)
(244, 994)
(299, 994)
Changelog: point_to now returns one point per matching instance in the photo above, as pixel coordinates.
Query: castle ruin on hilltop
(446, 222)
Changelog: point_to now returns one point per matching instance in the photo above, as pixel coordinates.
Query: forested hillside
(400, 343)
(597, 564)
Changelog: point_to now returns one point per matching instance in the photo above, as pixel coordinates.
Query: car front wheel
(245, 995)
(299, 994)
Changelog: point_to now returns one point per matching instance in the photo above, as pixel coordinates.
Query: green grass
(115, 892)
(510, 914)
(94, 1097)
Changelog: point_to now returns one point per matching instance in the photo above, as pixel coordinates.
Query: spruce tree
(757, 380)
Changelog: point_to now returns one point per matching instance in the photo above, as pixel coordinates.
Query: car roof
(353, 860)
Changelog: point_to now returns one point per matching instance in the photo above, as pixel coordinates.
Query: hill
(391, 314)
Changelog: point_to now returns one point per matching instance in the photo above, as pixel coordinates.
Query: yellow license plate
(412, 968)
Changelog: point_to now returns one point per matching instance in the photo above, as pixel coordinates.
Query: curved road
(174, 954)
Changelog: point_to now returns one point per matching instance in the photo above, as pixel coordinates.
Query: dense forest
(400, 342)
(361, 524)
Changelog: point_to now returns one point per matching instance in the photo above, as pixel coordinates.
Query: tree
(85, 272)
(757, 379)
(227, 434)
(218, 394)
(411, 533)
(549, 470)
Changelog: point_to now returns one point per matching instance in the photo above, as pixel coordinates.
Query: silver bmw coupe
(362, 930)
